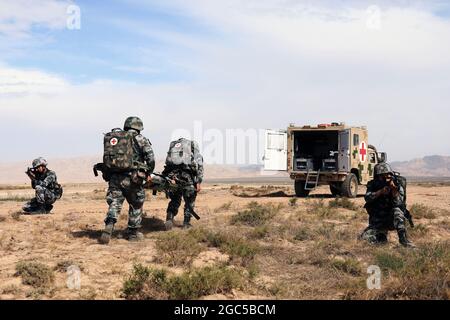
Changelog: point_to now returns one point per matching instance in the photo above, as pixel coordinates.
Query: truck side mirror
(382, 157)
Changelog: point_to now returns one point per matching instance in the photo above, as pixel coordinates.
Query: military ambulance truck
(327, 154)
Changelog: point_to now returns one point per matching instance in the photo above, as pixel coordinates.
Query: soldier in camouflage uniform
(129, 185)
(45, 183)
(384, 200)
(189, 177)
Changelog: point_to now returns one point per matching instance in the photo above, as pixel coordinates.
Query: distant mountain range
(79, 170)
(430, 166)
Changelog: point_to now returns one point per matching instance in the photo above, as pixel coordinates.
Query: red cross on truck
(333, 154)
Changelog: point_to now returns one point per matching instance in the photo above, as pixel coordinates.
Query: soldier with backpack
(48, 190)
(386, 206)
(184, 166)
(128, 160)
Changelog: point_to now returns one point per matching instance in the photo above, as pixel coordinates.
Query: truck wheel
(350, 186)
(336, 189)
(300, 189)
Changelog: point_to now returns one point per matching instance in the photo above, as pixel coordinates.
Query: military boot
(134, 235)
(169, 222)
(187, 222)
(48, 208)
(107, 233)
(403, 239)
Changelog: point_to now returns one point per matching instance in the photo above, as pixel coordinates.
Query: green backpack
(118, 150)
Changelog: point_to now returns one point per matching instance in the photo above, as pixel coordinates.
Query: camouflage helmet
(382, 168)
(133, 123)
(39, 162)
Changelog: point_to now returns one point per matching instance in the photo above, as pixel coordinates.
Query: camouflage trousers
(43, 200)
(120, 189)
(188, 194)
(380, 224)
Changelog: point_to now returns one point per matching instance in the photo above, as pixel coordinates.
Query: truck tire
(300, 189)
(336, 189)
(350, 186)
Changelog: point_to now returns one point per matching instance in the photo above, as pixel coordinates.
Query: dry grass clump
(177, 248)
(420, 211)
(154, 284)
(256, 214)
(35, 274)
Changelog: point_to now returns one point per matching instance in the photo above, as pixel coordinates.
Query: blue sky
(230, 64)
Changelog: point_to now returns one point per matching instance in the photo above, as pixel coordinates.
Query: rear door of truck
(275, 153)
(344, 150)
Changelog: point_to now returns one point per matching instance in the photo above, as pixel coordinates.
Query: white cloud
(19, 16)
(272, 63)
(23, 82)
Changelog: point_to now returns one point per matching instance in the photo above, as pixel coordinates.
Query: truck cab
(332, 154)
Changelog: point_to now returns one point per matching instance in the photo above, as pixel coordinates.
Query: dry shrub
(153, 284)
(256, 214)
(35, 274)
(320, 209)
(343, 203)
(177, 248)
(420, 211)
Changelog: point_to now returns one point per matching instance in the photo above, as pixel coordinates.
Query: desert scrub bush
(237, 247)
(319, 208)
(303, 233)
(256, 214)
(11, 289)
(224, 207)
(328, 231)
(16, 215)
(343, 203)
(2, 218)
(420, 211)
(177, 248)
(259, 232)
(348, 265)
(35, 274)
(418, 274)
(149, 284)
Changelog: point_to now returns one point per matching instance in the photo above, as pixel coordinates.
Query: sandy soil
(71, 233)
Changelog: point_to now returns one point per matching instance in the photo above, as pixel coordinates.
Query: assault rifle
(401, 181)
(161, 183)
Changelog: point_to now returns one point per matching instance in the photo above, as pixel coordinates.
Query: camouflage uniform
(46, 193)
(188, 178)
(384, 212)
(124, 186)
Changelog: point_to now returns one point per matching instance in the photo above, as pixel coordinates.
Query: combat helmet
(39, 162)
(382, 168)
(133, 123)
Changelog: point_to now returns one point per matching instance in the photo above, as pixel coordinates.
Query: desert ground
(253, 241)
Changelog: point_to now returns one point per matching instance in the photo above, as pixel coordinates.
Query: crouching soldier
(184, 166)
(127, 162)
(48, 190)
(385, 204)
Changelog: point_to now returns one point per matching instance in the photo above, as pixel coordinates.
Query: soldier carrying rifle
(48, 190)
(386, 206)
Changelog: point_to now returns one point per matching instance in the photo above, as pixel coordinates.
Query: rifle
(162, 183)
(406, 213)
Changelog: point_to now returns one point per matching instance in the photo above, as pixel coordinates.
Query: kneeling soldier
(48, 190)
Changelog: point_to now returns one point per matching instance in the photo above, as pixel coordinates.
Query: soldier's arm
(398, 197)
(200, 169)
(49, 180)
(372, 194)
(147, 152)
